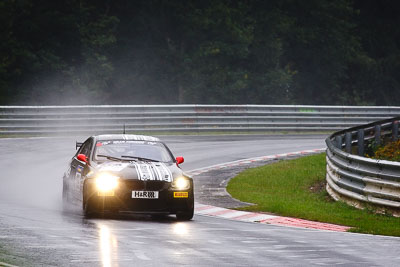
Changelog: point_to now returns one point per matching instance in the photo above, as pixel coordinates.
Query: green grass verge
(296, 188)
(10, 259)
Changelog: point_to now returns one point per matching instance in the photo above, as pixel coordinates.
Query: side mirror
(82, 157)
(179, 160)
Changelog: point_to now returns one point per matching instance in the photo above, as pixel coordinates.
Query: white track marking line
(212, 210)
(233, 214)
(7, 265)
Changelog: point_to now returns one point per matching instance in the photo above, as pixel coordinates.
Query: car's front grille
(146, 185)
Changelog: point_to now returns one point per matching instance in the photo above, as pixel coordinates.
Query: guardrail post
(339, 141)
(377, 135)
(360, 142)
(395, 130)
(348, 142)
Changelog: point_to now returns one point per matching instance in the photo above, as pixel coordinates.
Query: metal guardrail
(184, 118)
(356, 179)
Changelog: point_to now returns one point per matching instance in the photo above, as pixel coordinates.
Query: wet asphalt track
(34, 229)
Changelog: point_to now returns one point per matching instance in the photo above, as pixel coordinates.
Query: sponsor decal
(79, 168)
(140, 137)
(181, 194)
(142, 142)
(115, 167)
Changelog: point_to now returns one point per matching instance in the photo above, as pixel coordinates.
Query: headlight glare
(181, 183)
(106, 182)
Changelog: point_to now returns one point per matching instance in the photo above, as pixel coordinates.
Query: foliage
(199, 51)
(390, 151)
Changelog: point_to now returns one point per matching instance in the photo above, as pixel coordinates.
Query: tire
(185, 215)
(88, 209)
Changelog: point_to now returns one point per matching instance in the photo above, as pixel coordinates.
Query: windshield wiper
(110, 157)
(139, 158)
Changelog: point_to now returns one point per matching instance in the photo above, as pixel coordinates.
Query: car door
(79, 168)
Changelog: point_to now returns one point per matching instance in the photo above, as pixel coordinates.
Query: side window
(82, 148)
(85, 148)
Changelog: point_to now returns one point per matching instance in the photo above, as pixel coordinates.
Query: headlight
(106, 182)
(181, 183)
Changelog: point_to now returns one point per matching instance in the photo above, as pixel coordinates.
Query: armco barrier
(356, 179)
(184, 118)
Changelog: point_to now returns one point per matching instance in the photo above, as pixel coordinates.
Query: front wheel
(186, 215)
(89, 210)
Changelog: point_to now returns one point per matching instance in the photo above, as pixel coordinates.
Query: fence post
(395, 130)
(339, 141)
(360, 142)
(348, 142)
(377, 135)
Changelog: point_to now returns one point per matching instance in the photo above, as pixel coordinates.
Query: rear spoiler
(78, 145)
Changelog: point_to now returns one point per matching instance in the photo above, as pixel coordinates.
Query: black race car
(132, 173)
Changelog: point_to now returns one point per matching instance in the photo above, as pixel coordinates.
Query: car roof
(136, 137)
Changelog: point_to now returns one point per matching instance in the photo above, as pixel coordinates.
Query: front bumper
(168, 201)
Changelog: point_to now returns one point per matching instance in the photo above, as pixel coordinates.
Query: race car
(134, 173)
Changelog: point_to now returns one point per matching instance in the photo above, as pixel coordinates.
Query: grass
(296, 188)
(10, 259)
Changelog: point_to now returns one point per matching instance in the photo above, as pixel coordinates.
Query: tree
(46, 45)
(319, 47)
(217, 52)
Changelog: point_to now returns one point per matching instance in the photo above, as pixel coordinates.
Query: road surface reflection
(180, 229)
(108, 245)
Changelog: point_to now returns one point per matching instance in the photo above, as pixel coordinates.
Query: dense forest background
(342, 52)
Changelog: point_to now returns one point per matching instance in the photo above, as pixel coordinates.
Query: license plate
(145, 194)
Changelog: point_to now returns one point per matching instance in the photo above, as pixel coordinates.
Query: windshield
(154, 151)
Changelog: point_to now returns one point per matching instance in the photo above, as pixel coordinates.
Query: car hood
(144, 171)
